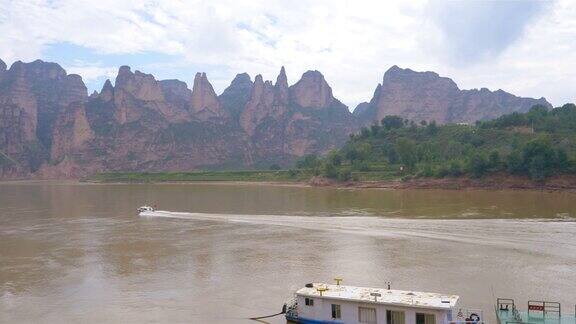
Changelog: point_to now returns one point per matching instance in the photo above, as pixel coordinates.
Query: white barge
(320, 303)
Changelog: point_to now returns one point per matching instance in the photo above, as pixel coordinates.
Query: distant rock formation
(235, 97)
(427, 96)
(204, 102)
(51, 128)
(312, 91)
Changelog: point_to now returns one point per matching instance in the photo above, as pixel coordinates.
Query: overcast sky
(524, 47)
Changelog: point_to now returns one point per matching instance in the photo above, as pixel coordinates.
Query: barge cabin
(320, 303)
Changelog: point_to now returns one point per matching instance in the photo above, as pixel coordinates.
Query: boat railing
(468, 316)
(292, 308)
(538, 312)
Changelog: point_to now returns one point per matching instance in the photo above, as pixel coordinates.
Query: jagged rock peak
(39, 69)
(241, 84)
(107, 92)
(395, 74)
(282, 90)
(107, 86)
(124, 74)
(204, 99)
(258, 79)
(312, 91)
(140, 85)
(177, 92)
(3, 66)
(175, 86)
(237, 94)
(282, 80)
(241, 78)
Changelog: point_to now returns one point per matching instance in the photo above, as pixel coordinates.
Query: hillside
(537, 144)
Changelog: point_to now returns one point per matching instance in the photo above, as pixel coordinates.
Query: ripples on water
(78, 253)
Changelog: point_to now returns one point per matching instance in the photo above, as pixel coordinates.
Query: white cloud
(352, 43)
(91, 72)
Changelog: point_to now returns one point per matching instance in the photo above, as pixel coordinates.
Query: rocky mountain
(427, 96)
(283, 122)
(51, 128)
(31, 97)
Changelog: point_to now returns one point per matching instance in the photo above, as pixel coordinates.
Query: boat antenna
(389, 283)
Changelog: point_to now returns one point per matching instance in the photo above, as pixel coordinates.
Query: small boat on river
(145, 209)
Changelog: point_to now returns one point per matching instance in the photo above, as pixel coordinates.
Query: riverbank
(251, 176)
(495, 182)
(304, 179)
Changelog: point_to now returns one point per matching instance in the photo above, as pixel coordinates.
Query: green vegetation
(243, 175)
(537, 144)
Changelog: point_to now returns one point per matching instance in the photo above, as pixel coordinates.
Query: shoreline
(490, 183)
(565, 183)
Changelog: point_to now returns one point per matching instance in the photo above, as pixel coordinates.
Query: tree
(344, 174)
(562, 161)
(432, 128)
(539, 157)
(309, 161)
(455, 169)
(374, 129)
(538, 168)
(494, 159)
(392, 122)
(329, 170)
(407, 152)
(334, 158)
(514, 163)
(477, 165)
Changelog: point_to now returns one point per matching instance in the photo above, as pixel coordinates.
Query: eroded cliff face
(264, 103)
(285, 122)
(427, 96)
(31, 97)
(312, 91)
(165, 126)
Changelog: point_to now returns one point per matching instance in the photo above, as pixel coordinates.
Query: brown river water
(78, 253)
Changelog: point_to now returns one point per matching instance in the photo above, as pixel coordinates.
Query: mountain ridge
(52, 128)
(428, 96)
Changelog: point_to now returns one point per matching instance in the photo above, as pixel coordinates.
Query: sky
(522, 46)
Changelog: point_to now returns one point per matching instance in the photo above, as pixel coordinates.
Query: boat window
(336, 313)
(309, 301)
(422, 318)
(367, 315)
(395, 317)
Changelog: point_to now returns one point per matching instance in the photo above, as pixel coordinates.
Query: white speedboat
(145, 209)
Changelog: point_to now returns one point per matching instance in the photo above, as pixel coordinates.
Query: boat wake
(545, 234)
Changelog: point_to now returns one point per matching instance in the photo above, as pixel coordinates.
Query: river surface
(72, 253)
